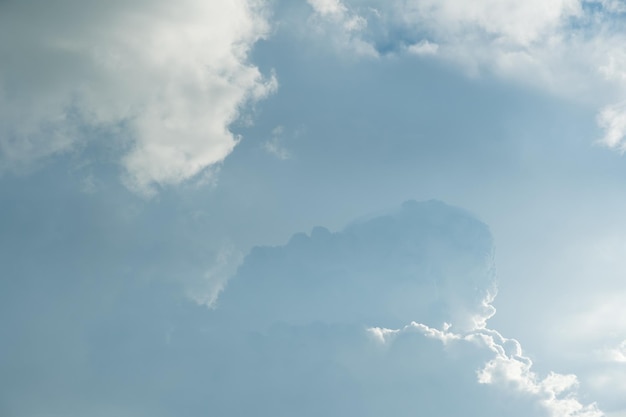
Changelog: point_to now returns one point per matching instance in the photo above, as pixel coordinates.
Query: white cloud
(328, 7)
(507, 368)
(508, 22)
(613, 120)
(351, 274)
(423, 47)
(174, 76)
(344, 26)
(571, 48)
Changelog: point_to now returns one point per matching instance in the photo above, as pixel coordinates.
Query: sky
(312, 207)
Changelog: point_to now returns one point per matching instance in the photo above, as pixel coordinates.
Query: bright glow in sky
(312, 207)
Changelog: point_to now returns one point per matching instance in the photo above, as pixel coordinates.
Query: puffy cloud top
(571, 48)
(427, 262)
(170, 77)
(307, 329)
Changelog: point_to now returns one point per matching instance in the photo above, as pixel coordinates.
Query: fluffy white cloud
(508, 22)
(506, 367)
(572, 48)
(171, 77)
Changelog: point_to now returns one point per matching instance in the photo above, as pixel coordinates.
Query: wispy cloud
(423, 47)
(205, 290)
(346, 27)
(274, 145)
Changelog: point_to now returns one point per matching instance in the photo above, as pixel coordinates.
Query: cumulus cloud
(506, 368)
(427, 264)
(427, 261)
(171, 78)
(317, 326)
(507, 22)
(571, 48)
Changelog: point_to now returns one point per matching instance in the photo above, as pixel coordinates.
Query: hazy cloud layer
(103, 296)
(302, 329)
(427, 262)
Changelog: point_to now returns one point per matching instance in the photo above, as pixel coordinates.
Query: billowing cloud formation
(170, 77)
(572, 48)
(507, 368)
(302, 329)
(427, 262)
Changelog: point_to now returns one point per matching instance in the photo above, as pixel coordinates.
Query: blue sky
(306, 207)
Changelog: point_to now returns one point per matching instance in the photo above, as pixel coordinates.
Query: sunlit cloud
(169, 79)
